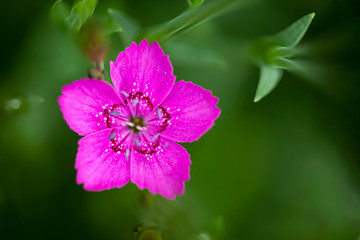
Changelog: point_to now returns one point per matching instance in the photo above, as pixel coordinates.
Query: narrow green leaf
(291, 35)
(269, 78)
(130, 28)
(282, 51)
(191, 18)
(272, 51)
(195, 3)
(80, 13)
(285, 63)
(112, 27)
(59, 13)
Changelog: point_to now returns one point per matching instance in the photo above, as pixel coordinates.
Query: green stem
(191, 18)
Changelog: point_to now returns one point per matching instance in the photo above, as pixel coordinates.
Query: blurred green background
(285, 168)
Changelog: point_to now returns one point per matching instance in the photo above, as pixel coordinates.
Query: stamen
(127, 153)
(140, 128)
(159, 113)
(166, 145)
(137, 143)
(155, 137)
(125, 93)
(115, 113)
(112, 135)
(136, 101)
(130, 124)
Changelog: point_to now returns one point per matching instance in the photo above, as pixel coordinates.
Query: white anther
(137, 143)
(140, 128)
(130, 124)
(112, 135)
(155, 137)
(127, 153)
(125, 93)
(136, 101)
(159, 113)
(114, 113)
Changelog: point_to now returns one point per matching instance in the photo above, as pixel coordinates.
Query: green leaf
(195, 3)
(112, 27)
(269, 77)
(130, 28)
(80, 13)
(59, 13)
(291, 35)
(285, 63)
(271, 53)
(282, 51)
(190, 19)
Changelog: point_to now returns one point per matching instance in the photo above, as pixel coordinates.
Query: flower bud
(94, 42)
(95, 73)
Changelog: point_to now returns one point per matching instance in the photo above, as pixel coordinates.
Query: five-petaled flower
(131, 129)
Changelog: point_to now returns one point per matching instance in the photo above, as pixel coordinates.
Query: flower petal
(99, 166)
(143, 68)
(192, 110)
(83, 102)
(163, 172)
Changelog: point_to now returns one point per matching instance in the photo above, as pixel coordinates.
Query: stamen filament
(125, 93)
(137, 143)
(112, 135)
(127, 153)
(140, 128)
(130, 124)
(114, 113)
(155, 137)
(136, 101)
(159, 113)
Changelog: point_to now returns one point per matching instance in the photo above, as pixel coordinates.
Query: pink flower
(131, 129)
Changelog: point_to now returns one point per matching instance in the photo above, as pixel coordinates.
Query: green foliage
(215, 228)
(190, 19)
(292, 35)
(271, 53)
(75, 18)
(130, 27)
(80, 13)
(195, 3)
(277, 170)
(111, 26)
(203, 236)
(59, 12)
(149, 233)
(269, 77)
(22, 103)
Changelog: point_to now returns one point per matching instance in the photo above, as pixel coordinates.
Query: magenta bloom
(131, 129)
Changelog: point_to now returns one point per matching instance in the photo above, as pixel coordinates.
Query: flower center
(143, 123)
(137, 124)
